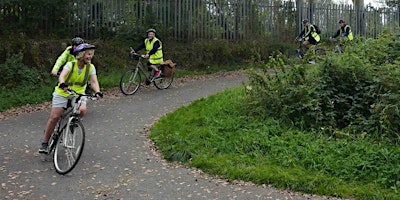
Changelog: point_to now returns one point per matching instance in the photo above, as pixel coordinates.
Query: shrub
(16, 74)
(347, 94)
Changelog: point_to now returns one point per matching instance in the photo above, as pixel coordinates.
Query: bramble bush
(352, 94)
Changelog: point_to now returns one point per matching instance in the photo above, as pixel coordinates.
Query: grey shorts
(61, 102)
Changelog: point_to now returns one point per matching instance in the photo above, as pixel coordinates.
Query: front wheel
(130, 82)
(163, 82)
(69, 147)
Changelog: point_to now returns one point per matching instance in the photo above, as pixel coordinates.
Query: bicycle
(301, 52)
(68, 138)
(132, 79)
(340, 44)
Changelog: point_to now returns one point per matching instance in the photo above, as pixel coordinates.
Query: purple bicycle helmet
(83, 47)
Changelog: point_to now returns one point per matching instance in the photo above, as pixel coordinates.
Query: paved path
(118, 161)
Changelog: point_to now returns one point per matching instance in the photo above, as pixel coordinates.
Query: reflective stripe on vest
(314, 34)
(350, 36)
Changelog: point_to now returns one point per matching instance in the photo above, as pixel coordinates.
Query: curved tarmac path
(118, 161)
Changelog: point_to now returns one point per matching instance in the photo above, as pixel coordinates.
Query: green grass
(216, 135)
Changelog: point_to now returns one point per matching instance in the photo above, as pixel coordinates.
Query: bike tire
(130, 82)
(163, 82)
(69, 147)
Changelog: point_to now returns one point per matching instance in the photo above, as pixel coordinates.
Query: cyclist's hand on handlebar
(99, 95)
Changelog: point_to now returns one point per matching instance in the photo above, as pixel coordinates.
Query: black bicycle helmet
(342, 21)
(151, 30)
(83, 47)
(77, 41)
(305, 21)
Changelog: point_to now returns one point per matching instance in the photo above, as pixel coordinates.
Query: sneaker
(157, 74)
(44, 148)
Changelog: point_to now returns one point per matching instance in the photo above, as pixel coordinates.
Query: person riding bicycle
(344, 31)
(66, 56)
(75, 75)
(154, 51)
(309, 34)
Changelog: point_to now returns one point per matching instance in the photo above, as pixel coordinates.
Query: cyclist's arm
(336, 35)
(155, 48)
(301, 34)
(62, 59)
(94, 83)
(347, 32)
(140, 47)
(310, 30)
(64, 72)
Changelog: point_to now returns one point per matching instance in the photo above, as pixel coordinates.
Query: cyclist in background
(154, 51)
(75, 75)
(66, 56)
(309, 34)
(344, 31)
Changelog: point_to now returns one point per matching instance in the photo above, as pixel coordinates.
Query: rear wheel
(130, 82)
(69, 147)
(163, 82)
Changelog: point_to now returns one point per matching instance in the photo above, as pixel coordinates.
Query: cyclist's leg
(57, 109)
(306, 44)
(82, 107)
(58, 104)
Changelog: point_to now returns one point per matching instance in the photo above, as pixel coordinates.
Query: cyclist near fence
(154, 52)
(309, 34)
(75, 75)
(66, 56)
(344, 31)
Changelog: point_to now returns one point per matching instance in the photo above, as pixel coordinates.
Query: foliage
(354, 93)
(219, 136)
(15, 74)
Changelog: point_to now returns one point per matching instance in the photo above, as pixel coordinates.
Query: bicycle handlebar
(90, 96)
(138, 55)
(134, 54)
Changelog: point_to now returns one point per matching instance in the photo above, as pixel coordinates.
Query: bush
(348, 94)
(16, 74)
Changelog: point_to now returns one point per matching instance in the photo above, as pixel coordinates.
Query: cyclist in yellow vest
(153, 47)
(66, 56)
(344, 31)
(309, 34)
(75, 75)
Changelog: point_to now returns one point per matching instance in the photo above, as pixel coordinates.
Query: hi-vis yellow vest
(156, 58)
(76, 81)
(350, 36)
(314, 34)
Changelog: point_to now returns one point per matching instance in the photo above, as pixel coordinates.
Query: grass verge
(216, 135)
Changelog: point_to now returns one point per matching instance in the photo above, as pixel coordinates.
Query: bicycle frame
(68, 139)
(69, 114)
(132, 79)
(140, 67)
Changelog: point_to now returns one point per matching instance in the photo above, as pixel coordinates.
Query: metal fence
(187, 20)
